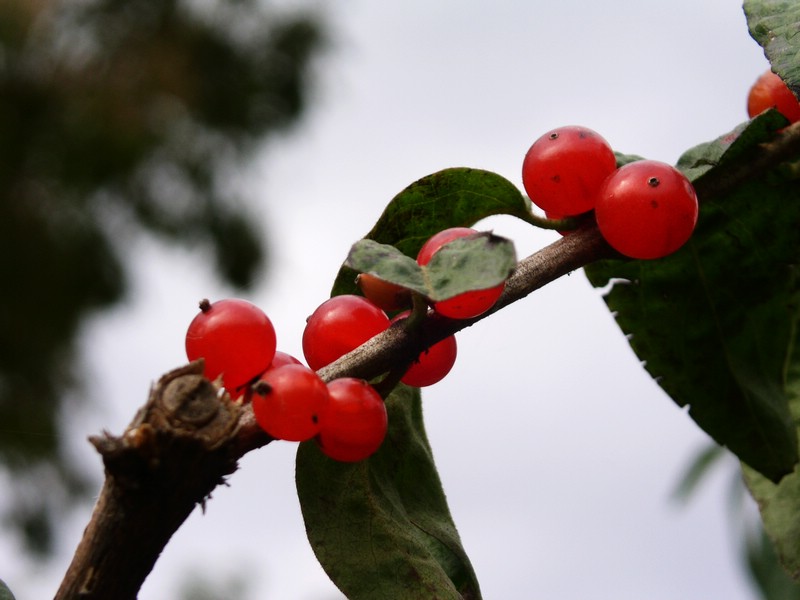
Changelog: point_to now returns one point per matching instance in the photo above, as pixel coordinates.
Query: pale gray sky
(557, 452)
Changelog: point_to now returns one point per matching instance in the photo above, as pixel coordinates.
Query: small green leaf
(5, 593)
(381, 528)
(698, 471)
(780, 512)
(388, 263)
(624, 159)
(698, 161)
(457, 197)
(715, 322)
(774, 24)
(476, 262)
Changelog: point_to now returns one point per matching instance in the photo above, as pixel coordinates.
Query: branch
(179, 447)
(398, 344)
(571, 252)
(189, 436)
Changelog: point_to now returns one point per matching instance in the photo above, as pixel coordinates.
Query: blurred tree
(118, 113)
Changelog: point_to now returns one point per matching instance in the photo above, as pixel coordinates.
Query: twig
(181, 445)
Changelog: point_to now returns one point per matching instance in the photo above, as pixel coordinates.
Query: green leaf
(381, 528)
(387, 263)
(714, 323)
(766, 571)
(457, 197)
(5, 593)
(780, 504)
(698, 161)
(697, 471)
(780, 512)
(774, 24)
(476, 262)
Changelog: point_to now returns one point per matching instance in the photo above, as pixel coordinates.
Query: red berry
(433, 364)
(466, 305)
(339, 325)
(287, 402)
(236, 339)
(353, 425)
(563, 170)
(383, 294)
(282, 359)
(770, 91)
(646, 209)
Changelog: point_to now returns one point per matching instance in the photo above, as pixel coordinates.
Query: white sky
(557, 452)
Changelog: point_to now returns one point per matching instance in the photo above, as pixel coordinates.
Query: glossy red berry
(282, 359)
(383, 294)
(288, 401)
(466, 305)
(433, 364)
(236, 339)
(770, 91)
(354, 424)
(563, 169)
(646, 209)
(339, 325)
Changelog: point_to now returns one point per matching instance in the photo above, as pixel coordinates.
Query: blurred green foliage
(119, 115)
(760, 562)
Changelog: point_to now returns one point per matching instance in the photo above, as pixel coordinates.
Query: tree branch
(189, 436)
(397, 344)
(179, 447)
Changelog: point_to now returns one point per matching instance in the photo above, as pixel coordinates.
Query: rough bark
(179, 447)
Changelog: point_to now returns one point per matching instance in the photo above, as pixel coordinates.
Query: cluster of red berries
(343, 323)
(346, 416)
(237, 340)
(645, 209)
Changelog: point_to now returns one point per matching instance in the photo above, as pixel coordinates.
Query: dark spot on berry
(653, 182)
(314, 419)
(262, 388)
(654, 203)
(553, 136)
(556, 178)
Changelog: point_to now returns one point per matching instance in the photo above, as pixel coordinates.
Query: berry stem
(385, 386)
(411, 325)
(562, 224)
(419, 312)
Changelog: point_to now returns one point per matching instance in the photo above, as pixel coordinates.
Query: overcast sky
(557, 452)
